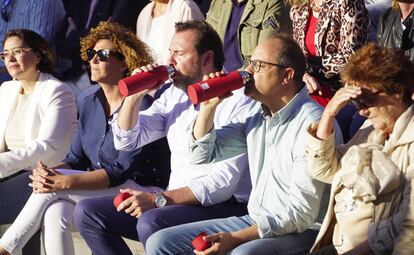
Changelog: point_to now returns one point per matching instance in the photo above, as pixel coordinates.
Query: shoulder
(388, 15)
(51, 85)
(86, 95)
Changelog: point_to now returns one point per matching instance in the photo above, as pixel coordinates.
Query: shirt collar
(285, 113)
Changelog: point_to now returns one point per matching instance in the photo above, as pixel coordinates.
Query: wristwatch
(160, 200)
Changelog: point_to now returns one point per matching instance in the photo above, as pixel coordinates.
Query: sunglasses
(366, 100)
(103, 55)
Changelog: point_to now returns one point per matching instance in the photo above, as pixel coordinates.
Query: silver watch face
(160, 200)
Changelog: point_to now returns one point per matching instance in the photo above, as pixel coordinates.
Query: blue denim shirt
(93, 147)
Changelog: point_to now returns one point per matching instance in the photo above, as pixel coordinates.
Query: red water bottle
(145, 80)
(218, 86)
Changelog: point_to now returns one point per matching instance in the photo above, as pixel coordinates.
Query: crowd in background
(314, 156)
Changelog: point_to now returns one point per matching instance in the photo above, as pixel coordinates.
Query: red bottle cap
(120, 198)
(199, 243)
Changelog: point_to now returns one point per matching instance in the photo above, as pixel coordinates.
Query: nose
(95, 59)
(171, 60)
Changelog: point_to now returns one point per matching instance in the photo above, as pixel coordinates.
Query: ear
(289, 74)
(38, 58)
(208, 58)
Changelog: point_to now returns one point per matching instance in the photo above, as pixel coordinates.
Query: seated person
(195, 192)
(286, 202)
(38, 117)
(113, 52)
(371, 174)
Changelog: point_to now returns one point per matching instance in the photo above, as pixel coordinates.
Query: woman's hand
(341, 98)
(338, 101)
(46, 180)
(311, 84)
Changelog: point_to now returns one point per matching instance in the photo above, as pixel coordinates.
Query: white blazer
(49, 124)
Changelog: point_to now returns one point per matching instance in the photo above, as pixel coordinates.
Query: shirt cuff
(119, 131)
(316, 147)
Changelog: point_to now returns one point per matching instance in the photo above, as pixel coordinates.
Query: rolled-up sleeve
(222, 182)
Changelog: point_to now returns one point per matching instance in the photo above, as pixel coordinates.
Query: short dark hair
(384, 69)
(292, 56)
(38, 44)
(207, 39)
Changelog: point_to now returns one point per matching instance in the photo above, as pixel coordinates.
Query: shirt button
(98, 163)
(154, 170)
(147, 161)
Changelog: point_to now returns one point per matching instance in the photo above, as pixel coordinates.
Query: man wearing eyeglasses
(286, 203)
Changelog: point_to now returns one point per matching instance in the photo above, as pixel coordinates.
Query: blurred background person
(396, 27)
(242, 24)
(155, 24)
(329, 32)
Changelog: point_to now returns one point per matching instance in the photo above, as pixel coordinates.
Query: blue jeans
(102, 226)
(177, 240)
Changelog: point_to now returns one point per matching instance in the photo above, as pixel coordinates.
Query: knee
(59, 215)
(157, 243)
(148, 224)
(83, 214)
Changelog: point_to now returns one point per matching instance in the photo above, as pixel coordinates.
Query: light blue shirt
(284, 197)
(172, 116)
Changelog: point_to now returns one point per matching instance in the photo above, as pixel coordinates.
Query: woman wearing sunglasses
(37, 117)
(370, 176)
(112, 53)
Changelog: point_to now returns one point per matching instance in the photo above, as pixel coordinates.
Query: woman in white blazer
(37, 117)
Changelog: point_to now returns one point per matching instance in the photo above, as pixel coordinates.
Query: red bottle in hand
(120, 198)
(145, 80)
(218, 86)
(199, 243)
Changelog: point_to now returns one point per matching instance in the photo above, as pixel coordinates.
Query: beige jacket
(381, 230)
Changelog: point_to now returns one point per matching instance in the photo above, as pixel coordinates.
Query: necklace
(315, 7)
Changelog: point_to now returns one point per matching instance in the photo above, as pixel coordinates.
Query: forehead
(13, 42)
(104, 44)
(267, 51)
(184, 40)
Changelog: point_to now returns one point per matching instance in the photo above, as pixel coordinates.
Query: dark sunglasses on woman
(103, 55)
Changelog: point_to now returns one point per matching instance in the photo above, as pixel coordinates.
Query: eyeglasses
(103, 55)
(257, 65)
(366, 100)
(16, 52)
